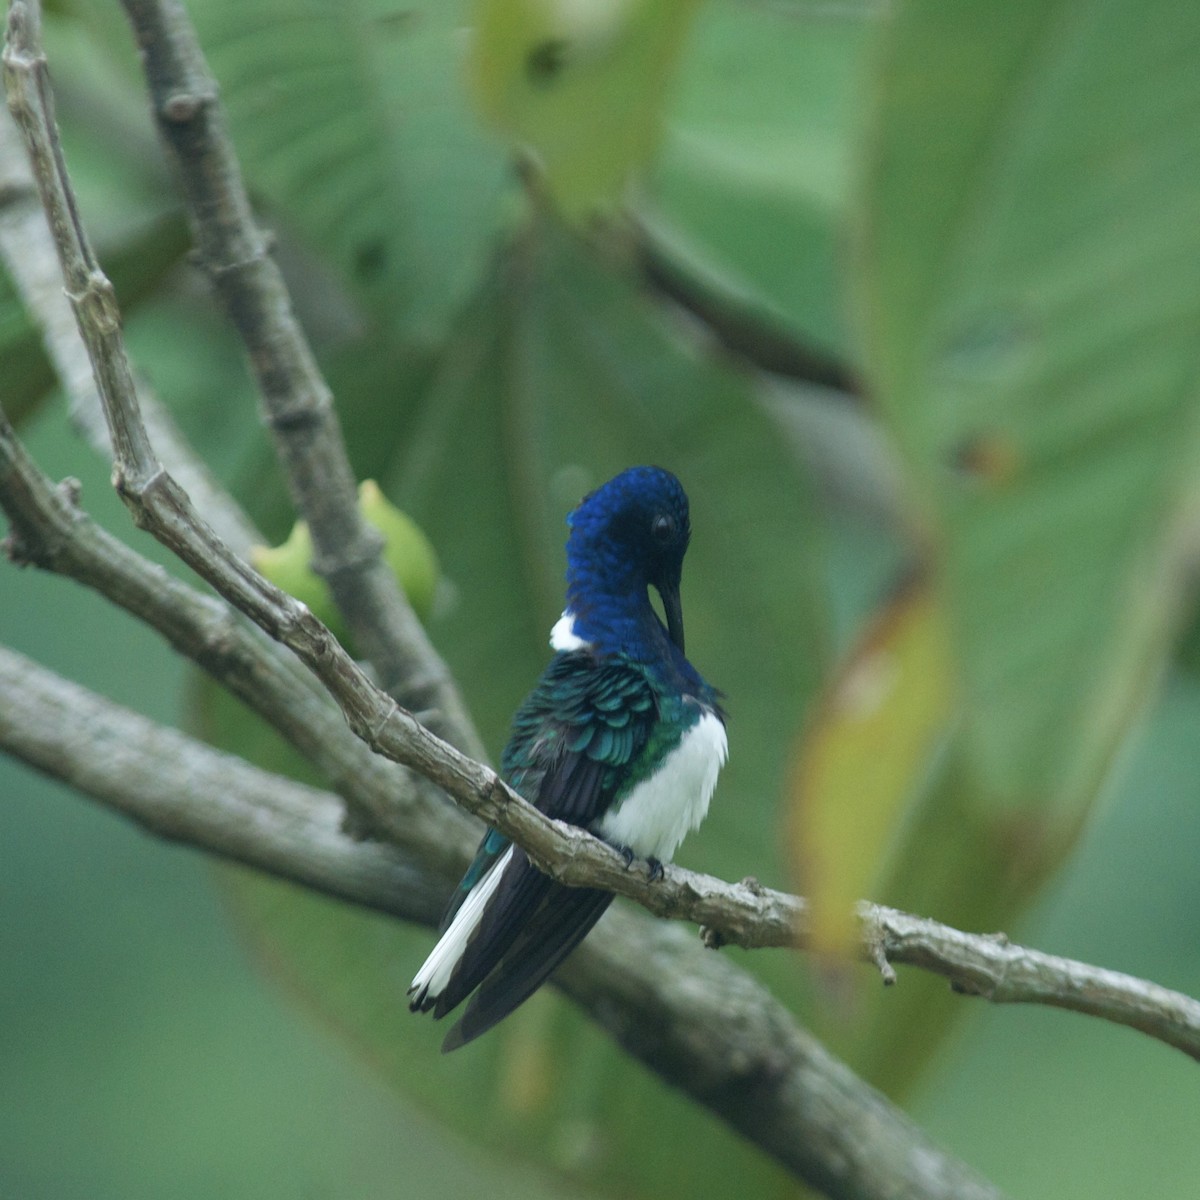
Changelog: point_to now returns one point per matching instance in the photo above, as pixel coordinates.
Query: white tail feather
(431, 980)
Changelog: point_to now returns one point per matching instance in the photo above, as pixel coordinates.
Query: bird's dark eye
(663, 528)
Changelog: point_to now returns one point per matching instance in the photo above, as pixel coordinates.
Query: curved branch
(742, 330)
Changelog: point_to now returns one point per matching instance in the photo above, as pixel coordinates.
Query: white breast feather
(656, 816)
(433, 976)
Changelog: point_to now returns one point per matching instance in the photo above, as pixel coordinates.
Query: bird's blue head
(627, 536)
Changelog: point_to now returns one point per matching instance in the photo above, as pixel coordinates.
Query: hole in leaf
(546, 61)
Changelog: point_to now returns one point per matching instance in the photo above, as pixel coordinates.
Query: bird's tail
(560, 924)
(431, 981)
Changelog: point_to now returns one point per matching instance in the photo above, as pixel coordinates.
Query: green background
(988, 217)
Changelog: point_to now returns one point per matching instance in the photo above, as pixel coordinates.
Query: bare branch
(1004, 973)
(738, 1050)
(742, 330)
(182, 790)
(52, 532)
(297, 403)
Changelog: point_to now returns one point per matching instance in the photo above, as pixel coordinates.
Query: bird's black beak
(674, 610)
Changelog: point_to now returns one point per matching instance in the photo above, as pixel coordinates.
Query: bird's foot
(627, 854)
(655, 869)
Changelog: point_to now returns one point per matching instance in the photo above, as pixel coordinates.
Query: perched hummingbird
(621, 735)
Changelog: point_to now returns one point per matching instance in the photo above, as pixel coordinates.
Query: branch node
(71, 490)
(374, 732)
(16, 550)
(356, 558)
(712, 939)
(307, 414)
(183, 106)
(355, 825)
(886, 971)
(220, 271)
(874, 937)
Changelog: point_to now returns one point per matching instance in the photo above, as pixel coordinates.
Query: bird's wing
(583, 724)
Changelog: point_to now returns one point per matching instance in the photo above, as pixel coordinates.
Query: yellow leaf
(579, 86)
(864, 757)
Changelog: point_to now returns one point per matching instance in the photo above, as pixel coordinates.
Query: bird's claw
(654, 868)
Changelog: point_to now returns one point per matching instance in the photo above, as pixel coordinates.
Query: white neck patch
(563, 635)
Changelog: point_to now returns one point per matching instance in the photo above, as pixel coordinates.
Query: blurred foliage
(406, 550)
(988, 216)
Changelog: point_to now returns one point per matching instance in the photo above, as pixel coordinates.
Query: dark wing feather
(571, 740)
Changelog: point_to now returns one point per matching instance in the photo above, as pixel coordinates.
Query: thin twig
(29, 256)
(999, 971)
(748, 333)
(297, 402)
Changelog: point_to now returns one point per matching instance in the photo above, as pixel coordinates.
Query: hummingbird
(620, 735)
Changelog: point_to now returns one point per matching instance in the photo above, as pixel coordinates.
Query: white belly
(656, 816)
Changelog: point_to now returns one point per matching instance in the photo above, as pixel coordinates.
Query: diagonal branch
(49, 529)
(297, 402)
(768, 1078)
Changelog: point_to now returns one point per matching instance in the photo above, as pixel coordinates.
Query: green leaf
(406, 551)
(1028, 276)
(352, 121)
(751, 187)
(557, 376)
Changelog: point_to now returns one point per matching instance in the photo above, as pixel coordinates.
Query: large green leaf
(1027, 272)
(557, 376)
(352, 121)
(750, 188)
(1029, 277)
